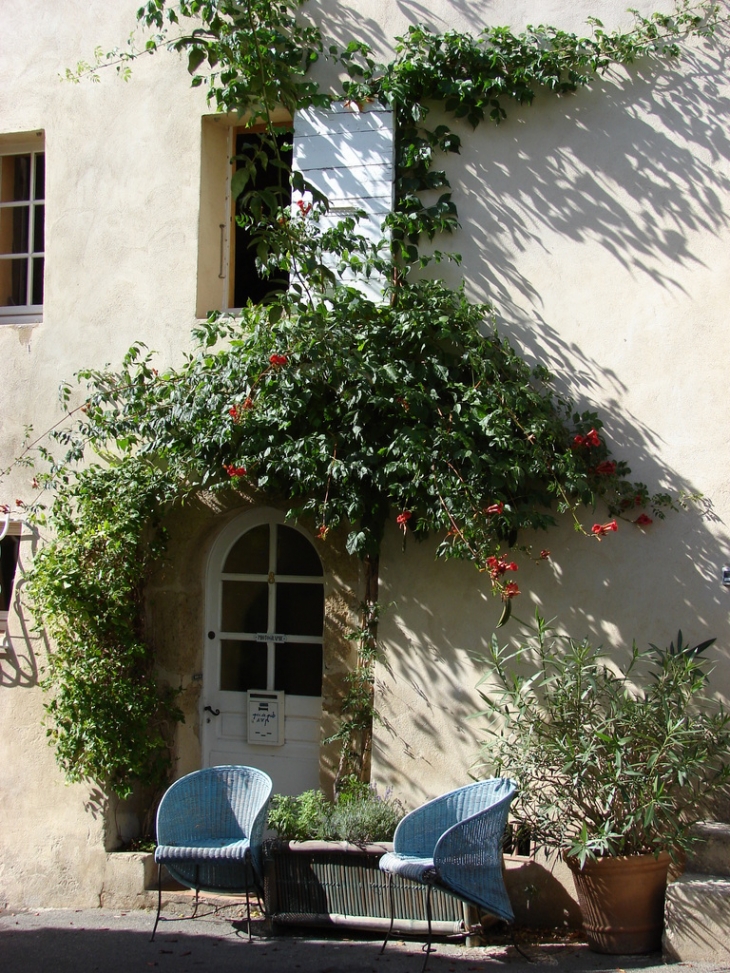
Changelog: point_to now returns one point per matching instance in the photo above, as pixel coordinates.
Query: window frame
(274, 521)
(32, 144)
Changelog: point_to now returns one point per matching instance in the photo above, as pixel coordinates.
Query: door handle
(214, 712)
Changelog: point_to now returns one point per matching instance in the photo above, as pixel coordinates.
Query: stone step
(697, 919)
(710, 855)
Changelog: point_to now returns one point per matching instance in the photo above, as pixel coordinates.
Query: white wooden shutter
(347, 153)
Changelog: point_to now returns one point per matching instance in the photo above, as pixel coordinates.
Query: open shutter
(347, 153)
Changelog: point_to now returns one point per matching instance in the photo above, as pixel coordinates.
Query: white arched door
(263, 650)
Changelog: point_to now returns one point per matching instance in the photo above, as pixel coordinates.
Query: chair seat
(417, 869)
(204, 850)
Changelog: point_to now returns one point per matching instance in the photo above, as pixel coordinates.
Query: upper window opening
(258, 164)
(22, 231)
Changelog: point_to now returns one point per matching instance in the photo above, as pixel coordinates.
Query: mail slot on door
(265, 717)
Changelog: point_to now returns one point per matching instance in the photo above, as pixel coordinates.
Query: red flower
(498, 566)
(248, 403)
(600, 530)
(496, 508)
(606, 468)
(322, 532)
(19, 503)
(277, 360)
(511, 589)
(304, 208)
(234, 413)
(402, 520)
(643, 520)
(545, 555)
(232, 470)
(4, 508)
(590, 439)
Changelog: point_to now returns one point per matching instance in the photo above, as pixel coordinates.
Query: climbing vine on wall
(350, 411)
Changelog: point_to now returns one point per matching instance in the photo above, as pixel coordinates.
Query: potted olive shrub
(616, 761)
(322, 868)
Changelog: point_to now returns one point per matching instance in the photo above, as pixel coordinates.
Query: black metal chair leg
(391, 905)
(248, 916)
(196, 901)
(428, 919)
(159, 900)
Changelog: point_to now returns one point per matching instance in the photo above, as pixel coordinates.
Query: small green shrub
(300, 818)
(612, 757)
(359, 815)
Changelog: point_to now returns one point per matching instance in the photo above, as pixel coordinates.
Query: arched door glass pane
(250, 553)
(295, 555)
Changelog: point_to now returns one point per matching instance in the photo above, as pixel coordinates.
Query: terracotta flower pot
(622, 902)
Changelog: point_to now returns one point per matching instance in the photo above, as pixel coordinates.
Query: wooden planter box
(325, 883)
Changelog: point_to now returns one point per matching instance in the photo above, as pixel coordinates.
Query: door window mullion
(271, 629)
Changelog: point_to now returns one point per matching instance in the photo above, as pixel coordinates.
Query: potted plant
(322, 868)
(616, 761)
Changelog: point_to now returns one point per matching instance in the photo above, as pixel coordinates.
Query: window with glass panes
(22, 238)
(272, 613)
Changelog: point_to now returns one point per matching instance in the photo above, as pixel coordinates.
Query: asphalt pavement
(105, 941)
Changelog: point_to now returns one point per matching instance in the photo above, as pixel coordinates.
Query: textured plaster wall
(122, 193)
(598, 224)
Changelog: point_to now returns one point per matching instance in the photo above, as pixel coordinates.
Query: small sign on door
(265, 717)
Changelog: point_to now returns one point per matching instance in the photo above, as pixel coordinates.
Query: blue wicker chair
(454, 843)
(210, 828)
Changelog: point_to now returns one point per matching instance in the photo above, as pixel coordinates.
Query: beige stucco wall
(596, 223)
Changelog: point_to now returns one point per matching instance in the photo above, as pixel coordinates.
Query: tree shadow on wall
(637, 165)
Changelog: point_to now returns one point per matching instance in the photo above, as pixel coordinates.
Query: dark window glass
(21, 229)
(245, 606)
(8, 562)
(13, 282)
(243, 666)
(37, 296)
(15, 180)
(40, 176)
(38, 236)
(14, 229)
(298, 669)
(248, 282)
(295, 554)
(250, 553)
(21, 226)
(21, 181)
(300, 609)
